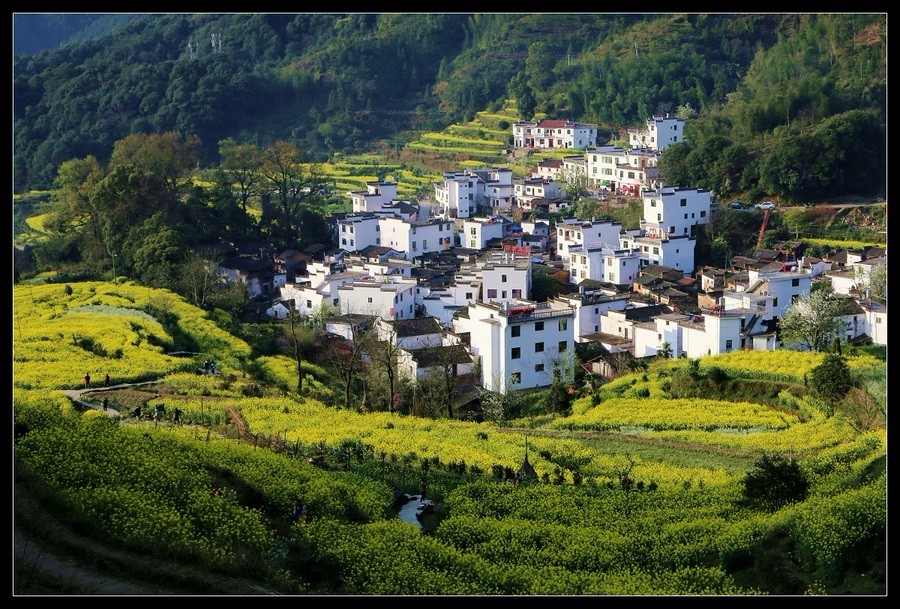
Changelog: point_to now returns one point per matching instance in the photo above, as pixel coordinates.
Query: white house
(377, 260)
(505, 276)
(358, 232)
(573, 232)
(476, 232)
(628, 171)
(674, 211)
(386, 298)
(519, 345)
(410, 333)
(443, 303)
(588, 307)
(415, 238)
(461, 193)
(675, 252)
(659, 133)
(418, 363)
(784, 287)
(373, 197)
(528, 189)
(553, 133)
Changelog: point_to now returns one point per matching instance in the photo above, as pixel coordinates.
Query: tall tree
(813, 320)
(242, 164)
(294, 185)
(831, 379)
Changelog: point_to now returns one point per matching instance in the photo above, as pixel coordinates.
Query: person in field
(299, 513)
(87, 380)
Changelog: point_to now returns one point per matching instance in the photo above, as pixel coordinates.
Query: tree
(294, 185)
(383, 356)
(197, 278)
(774, 482)
(299, 338)
(813, 320)
(665, 350)
(242, 164)
(831, 379)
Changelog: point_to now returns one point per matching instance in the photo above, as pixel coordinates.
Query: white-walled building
(784, 288)
(418, 363)
(674, 211)
(505, 277)
(659, 133)
(415, 238)
(374, 197)
(528, 189)
(413, 333)
(519, 344)
(460, 194)
(387, 299)
(312, 297)
(476, 232)
(603, 263)
(573, 232)
(674, 252)
(589, 307)
(358, 232)
(376, 260)
(553, 133)
(630, 171)
(443, 303)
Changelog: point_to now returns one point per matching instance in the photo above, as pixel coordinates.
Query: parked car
(766, 205)
(736, 205)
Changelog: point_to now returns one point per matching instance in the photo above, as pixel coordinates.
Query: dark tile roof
(433, 356)
(416, 327)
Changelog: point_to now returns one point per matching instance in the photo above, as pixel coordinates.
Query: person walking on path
(87, 380)
(176, 414)
(105, 403)
(106, 380)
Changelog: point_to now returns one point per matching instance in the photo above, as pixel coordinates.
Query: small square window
(539, 326)
(538, 347)
(563, 345)
(515, 331)
(539, 367)
(516, 353)
(515, 378)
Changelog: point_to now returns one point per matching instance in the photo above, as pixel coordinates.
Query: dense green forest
(789, 105)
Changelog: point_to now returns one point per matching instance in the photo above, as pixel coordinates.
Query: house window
(472, 231)
(502, 278)
(343, 242)
(414, 247)
(492, 293)
(539, 326)
(795, 298)
(308, 304)
(684, 202)
(517, 293)
(702, 214)
(336, 300)
(516, 331)
(774, 302)
(424, 244)
(468, 295)
(538, 347)
(795, 282)
(377, 228)
(563, 324)
(515, 378)
(516, 353)
(370, 299)
(728, 345)
(656, 250)
(472, 244)
(539, 367)
(562, 346)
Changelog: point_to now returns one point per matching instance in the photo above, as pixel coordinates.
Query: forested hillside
(790, 105)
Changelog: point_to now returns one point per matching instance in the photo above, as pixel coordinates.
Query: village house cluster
(449, 281)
